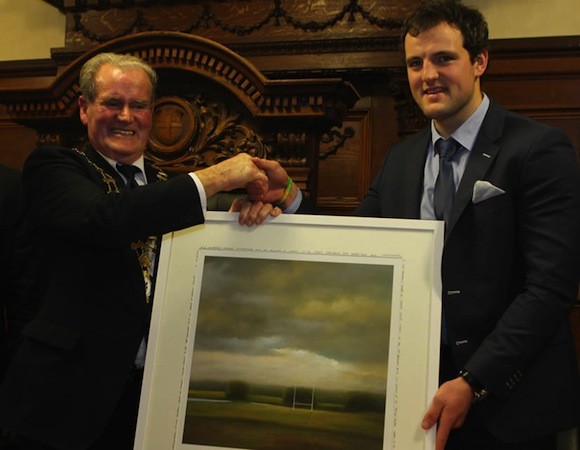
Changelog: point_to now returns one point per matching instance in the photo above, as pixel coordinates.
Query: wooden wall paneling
(538, 77)
(234, 21)
(213, 103)
(16, 143)
(343, 167)
(374, 128)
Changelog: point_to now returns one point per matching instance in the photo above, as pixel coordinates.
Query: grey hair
(88, 75)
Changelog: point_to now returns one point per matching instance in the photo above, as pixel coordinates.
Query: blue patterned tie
(129, 171)
(443, 196)
(444, 186)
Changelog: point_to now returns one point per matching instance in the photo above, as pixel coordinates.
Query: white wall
(529, 18)
(30, 28)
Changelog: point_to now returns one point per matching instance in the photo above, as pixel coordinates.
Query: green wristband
(286, 193)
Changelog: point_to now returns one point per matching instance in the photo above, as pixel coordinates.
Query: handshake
(266, 199)
(269, 188)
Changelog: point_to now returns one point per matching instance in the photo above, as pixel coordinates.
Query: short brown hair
(469, 21)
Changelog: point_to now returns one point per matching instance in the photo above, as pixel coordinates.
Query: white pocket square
(482, 190)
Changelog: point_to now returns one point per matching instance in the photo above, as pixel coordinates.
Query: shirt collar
(467, 132)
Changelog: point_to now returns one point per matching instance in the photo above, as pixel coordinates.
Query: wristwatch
(479, 392)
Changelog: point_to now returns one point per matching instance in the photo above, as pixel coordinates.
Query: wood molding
(213, 103)
(321, 98)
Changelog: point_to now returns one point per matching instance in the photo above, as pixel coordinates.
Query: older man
(97, 216)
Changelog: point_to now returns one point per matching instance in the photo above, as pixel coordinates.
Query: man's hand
(236, 172)
(449, 407)
(277, 179)
(260, 205)
(253, 213)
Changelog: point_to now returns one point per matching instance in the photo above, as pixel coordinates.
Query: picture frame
(266, 336)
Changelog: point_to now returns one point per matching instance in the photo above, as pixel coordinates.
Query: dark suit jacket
(18, 303)
(509, 268)
(71, 369)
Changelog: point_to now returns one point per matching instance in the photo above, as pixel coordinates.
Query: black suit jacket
(18, 303)
(509, 268)
(72, 367)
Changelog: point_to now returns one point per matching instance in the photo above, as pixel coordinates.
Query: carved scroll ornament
(196, 133)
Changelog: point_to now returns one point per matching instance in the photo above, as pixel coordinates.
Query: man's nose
(125, 113)
(429, 72)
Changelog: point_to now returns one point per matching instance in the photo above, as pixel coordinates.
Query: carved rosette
(196, 133)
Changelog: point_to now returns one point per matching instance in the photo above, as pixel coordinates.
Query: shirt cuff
(201, 191)
(293, 207)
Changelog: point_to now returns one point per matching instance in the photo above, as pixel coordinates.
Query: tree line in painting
(292, 396)
(237, 414)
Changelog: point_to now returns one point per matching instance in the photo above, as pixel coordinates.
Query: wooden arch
(204, 57)
(212, 103)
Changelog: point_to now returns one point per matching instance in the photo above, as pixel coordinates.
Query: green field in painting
(261, 426)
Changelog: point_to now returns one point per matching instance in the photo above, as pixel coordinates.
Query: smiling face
(119, 119)
(444, 81)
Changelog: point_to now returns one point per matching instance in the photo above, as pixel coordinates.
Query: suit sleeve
(370, 206)
(66, 199)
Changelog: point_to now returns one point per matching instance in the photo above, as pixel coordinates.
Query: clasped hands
(263, 199)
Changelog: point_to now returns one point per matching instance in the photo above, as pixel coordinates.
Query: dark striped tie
(129, 171)
(444, 186)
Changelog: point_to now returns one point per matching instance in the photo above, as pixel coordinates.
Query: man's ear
(83, 105)
(480, 63)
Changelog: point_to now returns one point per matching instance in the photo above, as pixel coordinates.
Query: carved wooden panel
(212, 104)
(17, 143)
(344, 166)
(91, 22)
(538, 77)
(191, 133)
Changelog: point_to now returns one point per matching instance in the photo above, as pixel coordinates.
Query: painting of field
(290, 354)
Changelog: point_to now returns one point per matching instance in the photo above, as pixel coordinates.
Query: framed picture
(305, 332)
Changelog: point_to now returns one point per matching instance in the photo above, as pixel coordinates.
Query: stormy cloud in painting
(290, 354)
(294, 322)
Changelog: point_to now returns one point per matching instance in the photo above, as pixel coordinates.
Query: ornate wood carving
(337, 138)
(212, 104)
(320, 98)
(410, 118)
(208, 16)
(194, 133)
(344, 174)
(99, 21)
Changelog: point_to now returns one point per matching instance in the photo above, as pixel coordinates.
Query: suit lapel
(408, 182)
(482, 157)
(417, 172)
(153, 173)
(100, 163)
